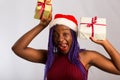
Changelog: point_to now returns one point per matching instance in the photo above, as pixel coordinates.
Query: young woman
(64, 59)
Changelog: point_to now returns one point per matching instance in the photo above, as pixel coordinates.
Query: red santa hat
(67, 20)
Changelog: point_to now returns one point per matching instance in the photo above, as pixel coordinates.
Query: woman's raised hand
(45, 21)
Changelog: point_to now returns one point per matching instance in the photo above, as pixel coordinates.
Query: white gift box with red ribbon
(92, 27)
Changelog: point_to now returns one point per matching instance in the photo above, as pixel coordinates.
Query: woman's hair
(72, 55)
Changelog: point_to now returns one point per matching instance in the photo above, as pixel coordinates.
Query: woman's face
(62, 38)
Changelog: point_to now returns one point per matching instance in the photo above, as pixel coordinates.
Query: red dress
(63, 69)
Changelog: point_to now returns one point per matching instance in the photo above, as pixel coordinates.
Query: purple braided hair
(73, 53)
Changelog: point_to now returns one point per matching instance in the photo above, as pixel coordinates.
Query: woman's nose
(60, 38)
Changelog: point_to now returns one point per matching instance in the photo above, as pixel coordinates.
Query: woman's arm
(21, 46)
(111, 65)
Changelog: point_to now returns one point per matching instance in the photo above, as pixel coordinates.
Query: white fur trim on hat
(64, 21)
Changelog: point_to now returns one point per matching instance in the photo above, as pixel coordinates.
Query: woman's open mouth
(63, 47)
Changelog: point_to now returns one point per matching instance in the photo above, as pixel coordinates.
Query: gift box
(92, 27)
(43, 8)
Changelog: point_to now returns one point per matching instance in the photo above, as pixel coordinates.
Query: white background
(16, 18)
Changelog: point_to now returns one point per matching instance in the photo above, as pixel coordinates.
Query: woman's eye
(65, 34)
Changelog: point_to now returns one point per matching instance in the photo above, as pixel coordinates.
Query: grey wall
(16, 18)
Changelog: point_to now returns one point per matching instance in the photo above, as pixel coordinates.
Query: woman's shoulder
(88, 52)
(86, 56)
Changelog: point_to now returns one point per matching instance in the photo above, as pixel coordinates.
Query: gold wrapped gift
(43, 8)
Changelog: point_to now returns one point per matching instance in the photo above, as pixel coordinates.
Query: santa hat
(67, 20)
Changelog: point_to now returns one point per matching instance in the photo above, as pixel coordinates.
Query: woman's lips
(63, 47)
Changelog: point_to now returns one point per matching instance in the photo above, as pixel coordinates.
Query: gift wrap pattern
(43, 8)
(92, 27)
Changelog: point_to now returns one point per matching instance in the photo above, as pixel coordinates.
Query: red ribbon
(93, 22)
(42, 4)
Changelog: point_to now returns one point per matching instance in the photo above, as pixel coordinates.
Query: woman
(64, 59)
